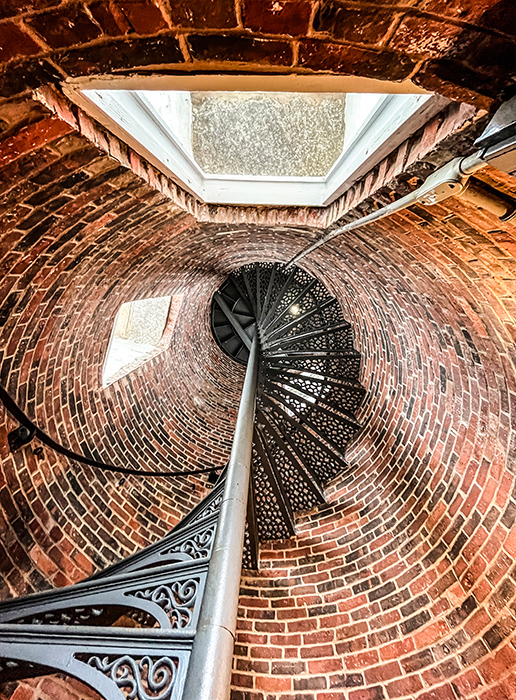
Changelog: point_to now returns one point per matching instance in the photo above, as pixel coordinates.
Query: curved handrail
(24, 420)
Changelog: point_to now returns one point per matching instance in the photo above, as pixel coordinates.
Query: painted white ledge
(243, 82)
(132, 118)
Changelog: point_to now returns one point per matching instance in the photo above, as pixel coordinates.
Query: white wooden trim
(130, 117)
(250, 82)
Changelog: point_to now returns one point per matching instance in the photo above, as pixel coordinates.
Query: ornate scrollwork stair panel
(119, 665)
(70, 629)
(171, 595)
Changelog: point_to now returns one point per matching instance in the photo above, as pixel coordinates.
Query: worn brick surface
(470, 45)
(404, 584)
(48, 688)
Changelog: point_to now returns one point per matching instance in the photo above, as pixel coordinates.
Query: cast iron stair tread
(269, 326)
(301, 319)
(322, 331)
(308, 388)
(326, 403)
(306, 422)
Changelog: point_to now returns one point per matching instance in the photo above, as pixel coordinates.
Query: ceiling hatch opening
(264, 148)
(142, 330)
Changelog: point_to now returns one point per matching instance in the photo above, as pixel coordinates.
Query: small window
(142, 330)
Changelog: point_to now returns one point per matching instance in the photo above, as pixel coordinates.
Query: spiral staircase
(129, 631)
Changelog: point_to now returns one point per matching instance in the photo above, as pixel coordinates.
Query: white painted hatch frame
(129, 115)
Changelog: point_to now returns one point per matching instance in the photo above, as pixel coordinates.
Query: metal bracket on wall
(20, 437)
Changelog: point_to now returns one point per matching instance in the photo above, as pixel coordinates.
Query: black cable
(20, 416)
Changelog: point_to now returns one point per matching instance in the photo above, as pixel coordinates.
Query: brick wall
(404, 584)
(464, 48)
(80, 235)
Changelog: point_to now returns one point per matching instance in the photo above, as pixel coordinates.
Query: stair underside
(308, 389)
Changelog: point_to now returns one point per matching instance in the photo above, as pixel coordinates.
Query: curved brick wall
(404, 584)
(87, 237)
(401, 586)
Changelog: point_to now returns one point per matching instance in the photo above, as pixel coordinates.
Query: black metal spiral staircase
(128, 631)
(308, 389)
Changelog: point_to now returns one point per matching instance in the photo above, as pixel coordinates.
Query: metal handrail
(209, 670)
(450, 180)
(37, 433)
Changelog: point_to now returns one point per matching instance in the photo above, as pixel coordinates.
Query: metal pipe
(233, 321)
(402, 203)
(470, 164)
(449, 180)
(483, 198)
(209, 670)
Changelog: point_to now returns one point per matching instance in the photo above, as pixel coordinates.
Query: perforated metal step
(308, 385)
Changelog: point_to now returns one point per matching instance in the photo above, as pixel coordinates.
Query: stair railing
(209, 670)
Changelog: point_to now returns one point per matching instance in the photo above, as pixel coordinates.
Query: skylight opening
(141, 331)
(267, 134)
(266, 148)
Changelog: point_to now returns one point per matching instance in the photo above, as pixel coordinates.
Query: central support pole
(209, 670)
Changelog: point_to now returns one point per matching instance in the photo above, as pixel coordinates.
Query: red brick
(442, 692)
(336, 58)
(15, 42)
(277, 16)
(468, 682)
(397, 649)
(64, 27)
(314, 652)
(24, 692)
(404, 687)
(31, 138)
(240, 50)
(492, 669)
(273, 684)
(110, 17)
(434, 38)
(383, 673)
(143, 15)
(367, 694)
(358, 25)
(358, 661)
(204, 14)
